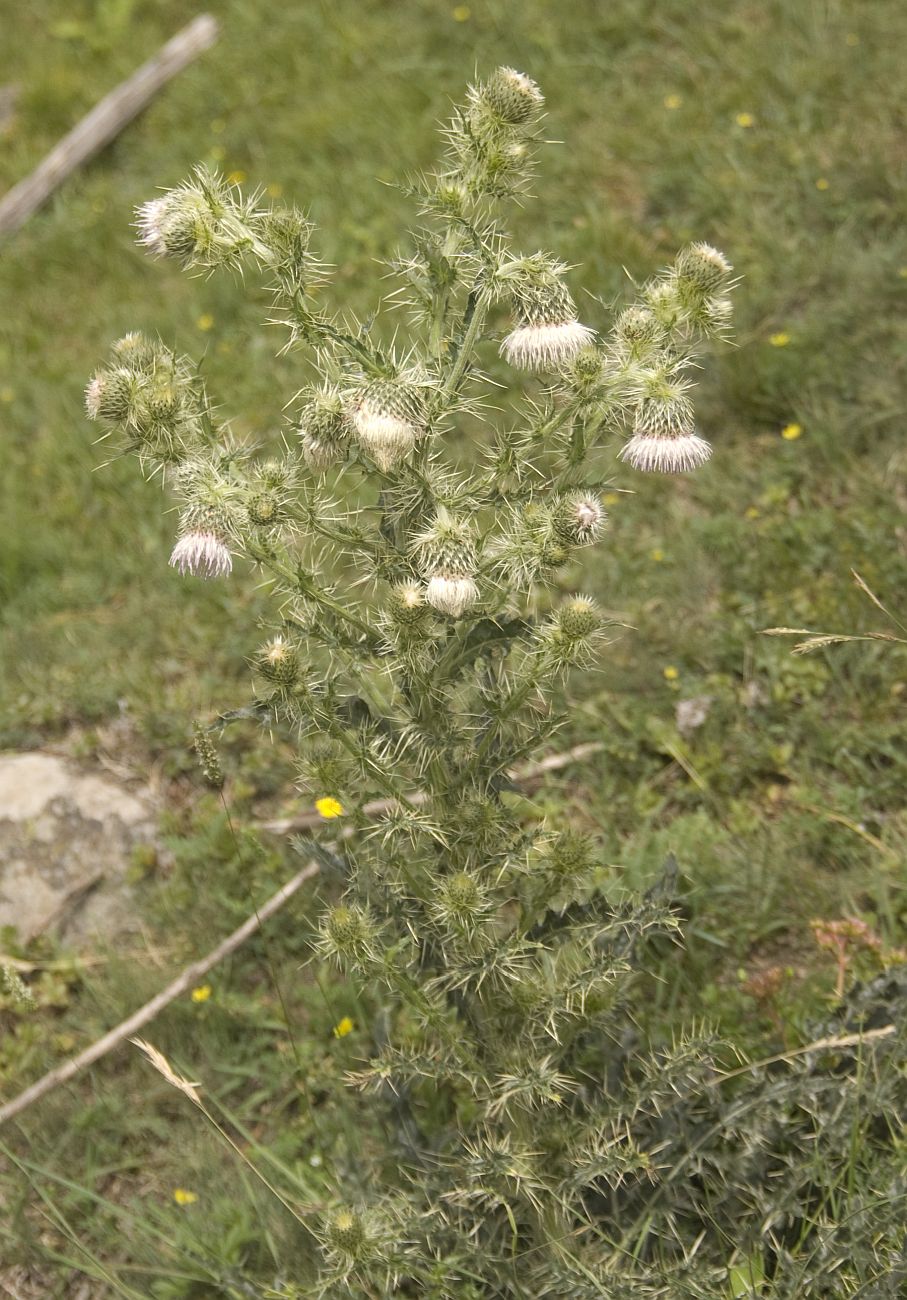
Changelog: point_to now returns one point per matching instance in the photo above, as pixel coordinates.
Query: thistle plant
(418, 652)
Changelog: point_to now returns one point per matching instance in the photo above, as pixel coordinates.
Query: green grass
(776, 806)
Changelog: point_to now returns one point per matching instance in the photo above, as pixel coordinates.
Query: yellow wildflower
(343, 1027)
(7, 395)
(657, 555)
(791, 431)
(611, 498)
(202, 993)
(205, 322)
(461, 14)
(822, 183)
(752, 512)
(745, 119)
(671, 673)
(329, 807)
(274, 190)
(184, 1197)
(237, 177)
(672, 101)
(779, 340)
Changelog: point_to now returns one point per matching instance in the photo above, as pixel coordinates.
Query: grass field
(774, 130)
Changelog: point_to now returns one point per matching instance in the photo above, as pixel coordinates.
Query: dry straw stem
(190, 976)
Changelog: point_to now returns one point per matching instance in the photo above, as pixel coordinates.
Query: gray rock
(66, 839)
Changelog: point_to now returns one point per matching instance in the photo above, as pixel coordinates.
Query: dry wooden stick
(184, 981)
(105, 121)
(553, 763)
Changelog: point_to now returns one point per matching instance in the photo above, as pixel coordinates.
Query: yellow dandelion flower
(822, 183)
(343, 1027)
(657, 555)
(205, 322)
(201, 994)
(672, 101)
(237, 177)
(791, 432)
(745, 119)
(274, 190)
(779, 340)
(329, 807)
(671, 673)
(752, 512)
(461, 14)
(184, 1197)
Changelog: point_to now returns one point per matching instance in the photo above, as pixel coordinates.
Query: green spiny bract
(418, 660)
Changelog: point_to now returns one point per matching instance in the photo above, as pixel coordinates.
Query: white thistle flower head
(386, 418)
(665, 453)
(547, 334)
(203, 553)
(548, 345)
(451, 593)
(150, 223)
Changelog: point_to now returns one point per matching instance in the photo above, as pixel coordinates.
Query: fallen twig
(105, 121)
(183, 982)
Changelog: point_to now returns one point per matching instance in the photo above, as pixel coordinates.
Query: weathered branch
(105, 121)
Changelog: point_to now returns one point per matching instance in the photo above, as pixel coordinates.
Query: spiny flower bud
(571, 854)
(348, 933)
(278, 662)
(111, 395)
(179, 224)
(134, 349)
(579, 519)
(512, 96)
(323, 428)
(578, 619)
(387, 417)
(547, 334)
(408, 611)
(639, 331)
(345, 1232)
(462, 893)
(264, 509)
(703, 268)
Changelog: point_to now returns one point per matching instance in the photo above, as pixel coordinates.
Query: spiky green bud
(512, 97)
(703, 268)
(578, 619)
(278, 662)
